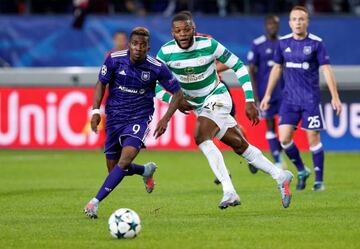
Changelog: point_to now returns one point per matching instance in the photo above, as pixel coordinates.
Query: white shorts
(217, 107)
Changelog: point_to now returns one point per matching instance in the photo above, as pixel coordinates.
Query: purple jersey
(261, 55)
(301, 60)
(132, 87)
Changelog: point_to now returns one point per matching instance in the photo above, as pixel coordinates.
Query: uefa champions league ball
(124, 223)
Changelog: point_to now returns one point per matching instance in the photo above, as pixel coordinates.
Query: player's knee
(285, 140)
(124, 163)
(200, 137)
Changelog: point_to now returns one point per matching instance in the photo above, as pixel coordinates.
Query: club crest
(307, 50)
(145, 76)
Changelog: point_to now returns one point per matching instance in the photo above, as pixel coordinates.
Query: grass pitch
(42, 194)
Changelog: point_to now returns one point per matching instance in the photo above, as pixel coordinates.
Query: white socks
(217, 164)
(254, 156)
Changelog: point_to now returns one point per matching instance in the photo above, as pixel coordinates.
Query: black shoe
(252, 169)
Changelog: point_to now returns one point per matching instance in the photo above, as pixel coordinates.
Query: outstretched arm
(98, 96)
(331, 82)
(273, 79)
(161, 126)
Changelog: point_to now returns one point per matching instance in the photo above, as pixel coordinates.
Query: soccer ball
(124, 223)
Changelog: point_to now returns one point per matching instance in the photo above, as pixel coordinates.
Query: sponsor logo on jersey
(288, 50)
(122, 72)
(268, 51)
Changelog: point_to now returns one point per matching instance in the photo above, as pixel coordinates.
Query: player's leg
(253, 155)
(112, 180)
(286, 133)
(317, 152)
(313, 122)
(273, 141)
(290, 116)
(205, 131)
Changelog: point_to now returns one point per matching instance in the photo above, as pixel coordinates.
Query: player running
(299, 56)
(260, 60)
(131, 76)
(192, 61)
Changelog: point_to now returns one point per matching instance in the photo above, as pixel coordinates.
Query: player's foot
(91, 210)
(252, 169)
(302, 177)
(229, 199)
(284, 189)
(148, 178)
(318, 186)
(217, 182)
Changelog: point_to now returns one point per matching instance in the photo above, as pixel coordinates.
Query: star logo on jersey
(103, 70)
(145, 76)
(288, 50)
(307, 50)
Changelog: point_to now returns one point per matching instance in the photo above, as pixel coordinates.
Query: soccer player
(120, 42)
(131, 76)
(260, 60)
(192, 60)
(299, 56)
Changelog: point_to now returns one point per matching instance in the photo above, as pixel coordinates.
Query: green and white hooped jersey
(195, 69)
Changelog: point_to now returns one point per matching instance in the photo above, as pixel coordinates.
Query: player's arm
(105, 75)
(331, 83)
(274, 77)
(170, 84)
(232, 61)
(95, 113)
(324, 62)
(221, 67)
(252, 58)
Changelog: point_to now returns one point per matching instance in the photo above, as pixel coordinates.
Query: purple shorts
(117, 134)
(272, 111)
(311, 116)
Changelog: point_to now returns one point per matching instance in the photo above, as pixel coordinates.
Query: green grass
(42, 194)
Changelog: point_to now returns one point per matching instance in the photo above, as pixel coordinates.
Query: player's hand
(185, 106)
(336, 105)
(252, 113)
(95, 121)
(264, 105)
(160, 128)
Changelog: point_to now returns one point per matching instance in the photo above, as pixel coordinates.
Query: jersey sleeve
(322, 55)
(106, 73)
(167, 80)
(253, 55)
(224, 55)
(278, 56)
